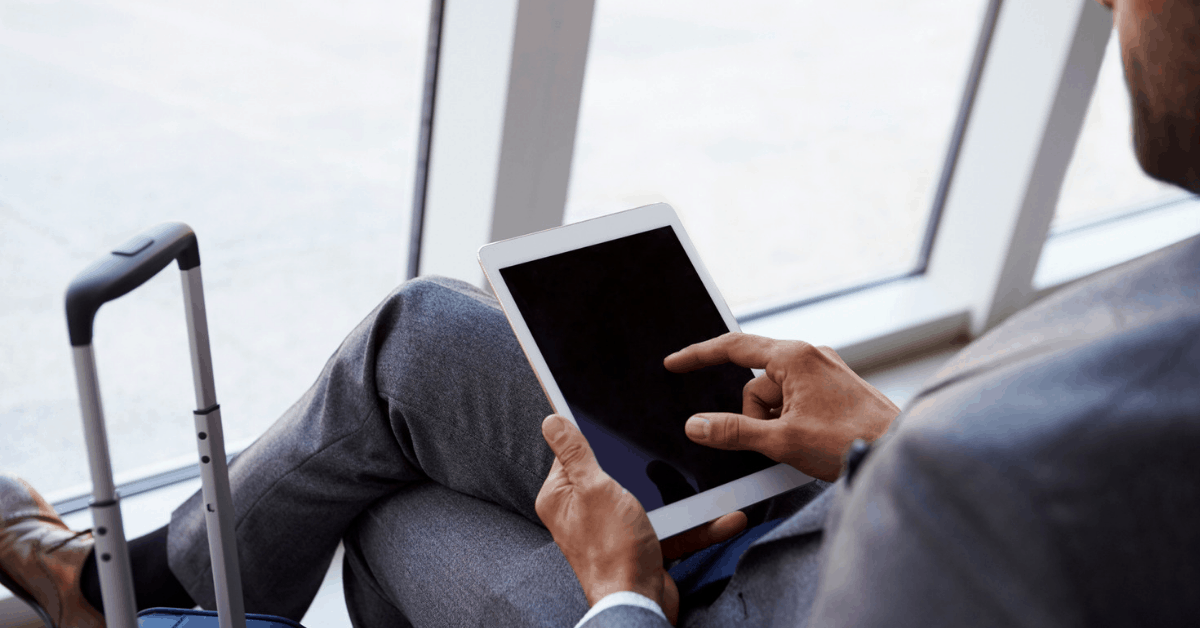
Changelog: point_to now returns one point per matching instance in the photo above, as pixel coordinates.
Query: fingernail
(697, 427)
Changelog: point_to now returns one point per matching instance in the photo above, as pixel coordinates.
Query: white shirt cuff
(622, 598)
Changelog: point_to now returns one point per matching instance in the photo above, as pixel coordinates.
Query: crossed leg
(423, 426)
(429, 556)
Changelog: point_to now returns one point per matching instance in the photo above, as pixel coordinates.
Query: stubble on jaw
(1160, 41)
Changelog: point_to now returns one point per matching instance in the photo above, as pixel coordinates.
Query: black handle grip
(127, 267)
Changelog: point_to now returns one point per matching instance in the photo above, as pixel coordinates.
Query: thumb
(725, 430)
(569, 446)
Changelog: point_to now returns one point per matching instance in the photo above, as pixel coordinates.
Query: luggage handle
(127, 267)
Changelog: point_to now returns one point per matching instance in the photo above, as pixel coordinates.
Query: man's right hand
(805, 410)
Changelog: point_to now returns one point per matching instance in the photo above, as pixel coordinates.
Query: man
(1047, 476)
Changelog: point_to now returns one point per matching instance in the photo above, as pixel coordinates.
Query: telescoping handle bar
(127, 267)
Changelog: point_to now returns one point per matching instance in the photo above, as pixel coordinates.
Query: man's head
(1160, 46)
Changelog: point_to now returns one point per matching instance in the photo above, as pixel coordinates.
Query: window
(791, 136)
(804, 139)
(500, 167)
(283, 133)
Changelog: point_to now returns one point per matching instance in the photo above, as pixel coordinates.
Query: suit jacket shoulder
(1046, 477)
(1052, 480)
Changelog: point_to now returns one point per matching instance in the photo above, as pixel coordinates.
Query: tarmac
(284, 133)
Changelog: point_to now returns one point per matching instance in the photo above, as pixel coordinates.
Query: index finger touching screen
(604, 317)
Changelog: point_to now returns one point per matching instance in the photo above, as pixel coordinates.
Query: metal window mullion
(509, 83)
(433, 45)
(1028, 111)
(982, 45)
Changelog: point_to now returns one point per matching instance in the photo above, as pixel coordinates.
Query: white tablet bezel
(687, 513)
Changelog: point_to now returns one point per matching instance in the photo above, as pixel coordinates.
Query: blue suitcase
(180, 618)
(127, 267)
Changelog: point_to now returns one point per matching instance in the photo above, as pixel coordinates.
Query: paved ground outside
(282, 132)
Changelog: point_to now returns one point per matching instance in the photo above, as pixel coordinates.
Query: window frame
(502, 95)
(1024, 101)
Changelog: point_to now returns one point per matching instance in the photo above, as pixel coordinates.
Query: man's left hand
(603, 530)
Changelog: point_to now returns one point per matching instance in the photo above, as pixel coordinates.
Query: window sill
(1077, 254)
(868, 328)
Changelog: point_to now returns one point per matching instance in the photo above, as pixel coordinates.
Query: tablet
(596, 306)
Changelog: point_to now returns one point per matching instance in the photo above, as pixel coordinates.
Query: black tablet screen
(604, 317)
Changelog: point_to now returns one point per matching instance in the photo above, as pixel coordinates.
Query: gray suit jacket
(1048, 476)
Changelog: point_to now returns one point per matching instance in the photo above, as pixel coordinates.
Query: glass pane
(800, 143)
(283, 133)
(1104, 178)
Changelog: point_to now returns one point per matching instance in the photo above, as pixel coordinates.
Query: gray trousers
(420, 447)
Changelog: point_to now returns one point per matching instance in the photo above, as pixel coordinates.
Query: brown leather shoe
(43, 556)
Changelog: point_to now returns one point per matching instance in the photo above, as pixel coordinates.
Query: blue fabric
(706, 572)
(180, 617)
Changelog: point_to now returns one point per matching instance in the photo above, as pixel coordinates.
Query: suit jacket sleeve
(928, 534)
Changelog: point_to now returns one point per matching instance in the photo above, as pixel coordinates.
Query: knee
(419, 306)
(421, 287)
(425, 319)
(431, 296)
